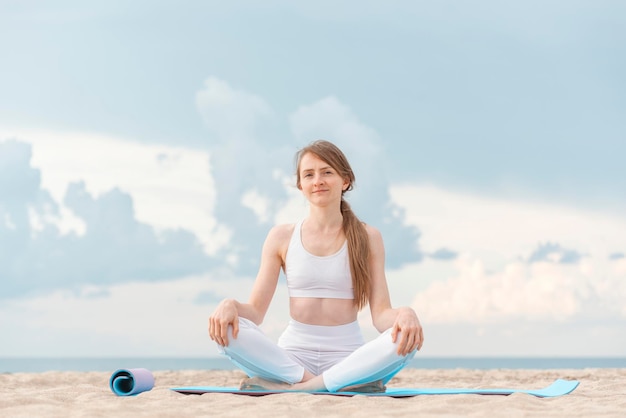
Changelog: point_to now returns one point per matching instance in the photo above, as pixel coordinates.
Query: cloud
(35, 256)
(476, 296)
(246, 162)
(126, 319)
(233, 114)
(328, 117)
(494, 280)
(501, 229)
(554, 253)
(443, 254)
(136, 319)
(541, 291)
(171, 187)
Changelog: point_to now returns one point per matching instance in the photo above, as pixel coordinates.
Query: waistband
(305, 336)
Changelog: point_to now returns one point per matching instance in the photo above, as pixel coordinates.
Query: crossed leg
(272, 367)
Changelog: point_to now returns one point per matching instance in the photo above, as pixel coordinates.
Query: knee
(391, 347)
(247, 333)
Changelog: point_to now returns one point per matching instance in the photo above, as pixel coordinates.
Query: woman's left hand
(408, 326)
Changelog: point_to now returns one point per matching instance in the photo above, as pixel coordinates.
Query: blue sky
(146, 148)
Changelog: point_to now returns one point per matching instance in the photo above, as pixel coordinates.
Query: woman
(334, 265)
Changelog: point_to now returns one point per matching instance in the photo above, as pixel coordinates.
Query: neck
(325, 219)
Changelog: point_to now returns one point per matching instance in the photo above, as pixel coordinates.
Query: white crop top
(313, 276)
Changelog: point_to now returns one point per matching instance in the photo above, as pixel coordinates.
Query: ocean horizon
(85, 364)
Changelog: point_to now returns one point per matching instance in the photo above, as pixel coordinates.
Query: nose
(319, 180)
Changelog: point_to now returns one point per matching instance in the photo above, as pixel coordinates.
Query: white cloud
(292, 210)
(538, 291)
(619, 268)
(171, 187)
(129, 319)
(493, 281)
(257, 203)
(498, 229)
(330, 119)
(233, 114)
(296, 206)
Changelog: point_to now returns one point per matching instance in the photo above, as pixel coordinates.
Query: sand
(601, 393)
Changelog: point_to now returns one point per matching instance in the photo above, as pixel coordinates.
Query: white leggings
(338, 353)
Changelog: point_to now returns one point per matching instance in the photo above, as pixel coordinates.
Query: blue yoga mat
(558, 388)
(129, 382)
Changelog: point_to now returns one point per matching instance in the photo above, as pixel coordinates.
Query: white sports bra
(313, 276)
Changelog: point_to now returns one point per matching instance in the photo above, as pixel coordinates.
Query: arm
(228, 311)
(401, 320)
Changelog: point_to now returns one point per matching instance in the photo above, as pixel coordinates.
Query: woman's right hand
(225, 315)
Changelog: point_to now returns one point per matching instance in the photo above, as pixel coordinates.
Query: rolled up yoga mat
(129, 382)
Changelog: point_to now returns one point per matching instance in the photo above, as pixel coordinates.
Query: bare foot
(260, 384)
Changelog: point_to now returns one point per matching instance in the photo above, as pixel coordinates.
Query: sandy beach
(601, 393)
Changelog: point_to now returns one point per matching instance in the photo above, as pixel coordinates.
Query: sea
(39, 365)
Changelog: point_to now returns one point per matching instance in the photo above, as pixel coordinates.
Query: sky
(147, 147)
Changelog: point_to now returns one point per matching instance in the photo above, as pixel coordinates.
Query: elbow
(258, 320)
(257, 316)
(383, 319)
(380, 325)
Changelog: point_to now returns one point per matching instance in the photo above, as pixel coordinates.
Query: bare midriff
(323, 311)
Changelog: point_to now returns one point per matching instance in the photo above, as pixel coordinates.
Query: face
(320, 183)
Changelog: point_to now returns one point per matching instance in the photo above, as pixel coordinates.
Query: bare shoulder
(375, 240)
(279, 236)
(282, 231)
(373, 233)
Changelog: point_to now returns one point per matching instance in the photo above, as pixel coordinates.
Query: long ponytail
(358, 253)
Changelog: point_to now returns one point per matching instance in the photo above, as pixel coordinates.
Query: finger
(394, 332)
(410, 344)
(212, 329)
(224, 333)
(403, 343)
(222, 336)
(235, 327)
(417, 344)
(215, 331)
(413, 342)
(421, 340)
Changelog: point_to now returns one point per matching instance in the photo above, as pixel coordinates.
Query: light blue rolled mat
(129, 382)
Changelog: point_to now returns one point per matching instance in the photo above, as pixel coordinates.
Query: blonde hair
(353, 228)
